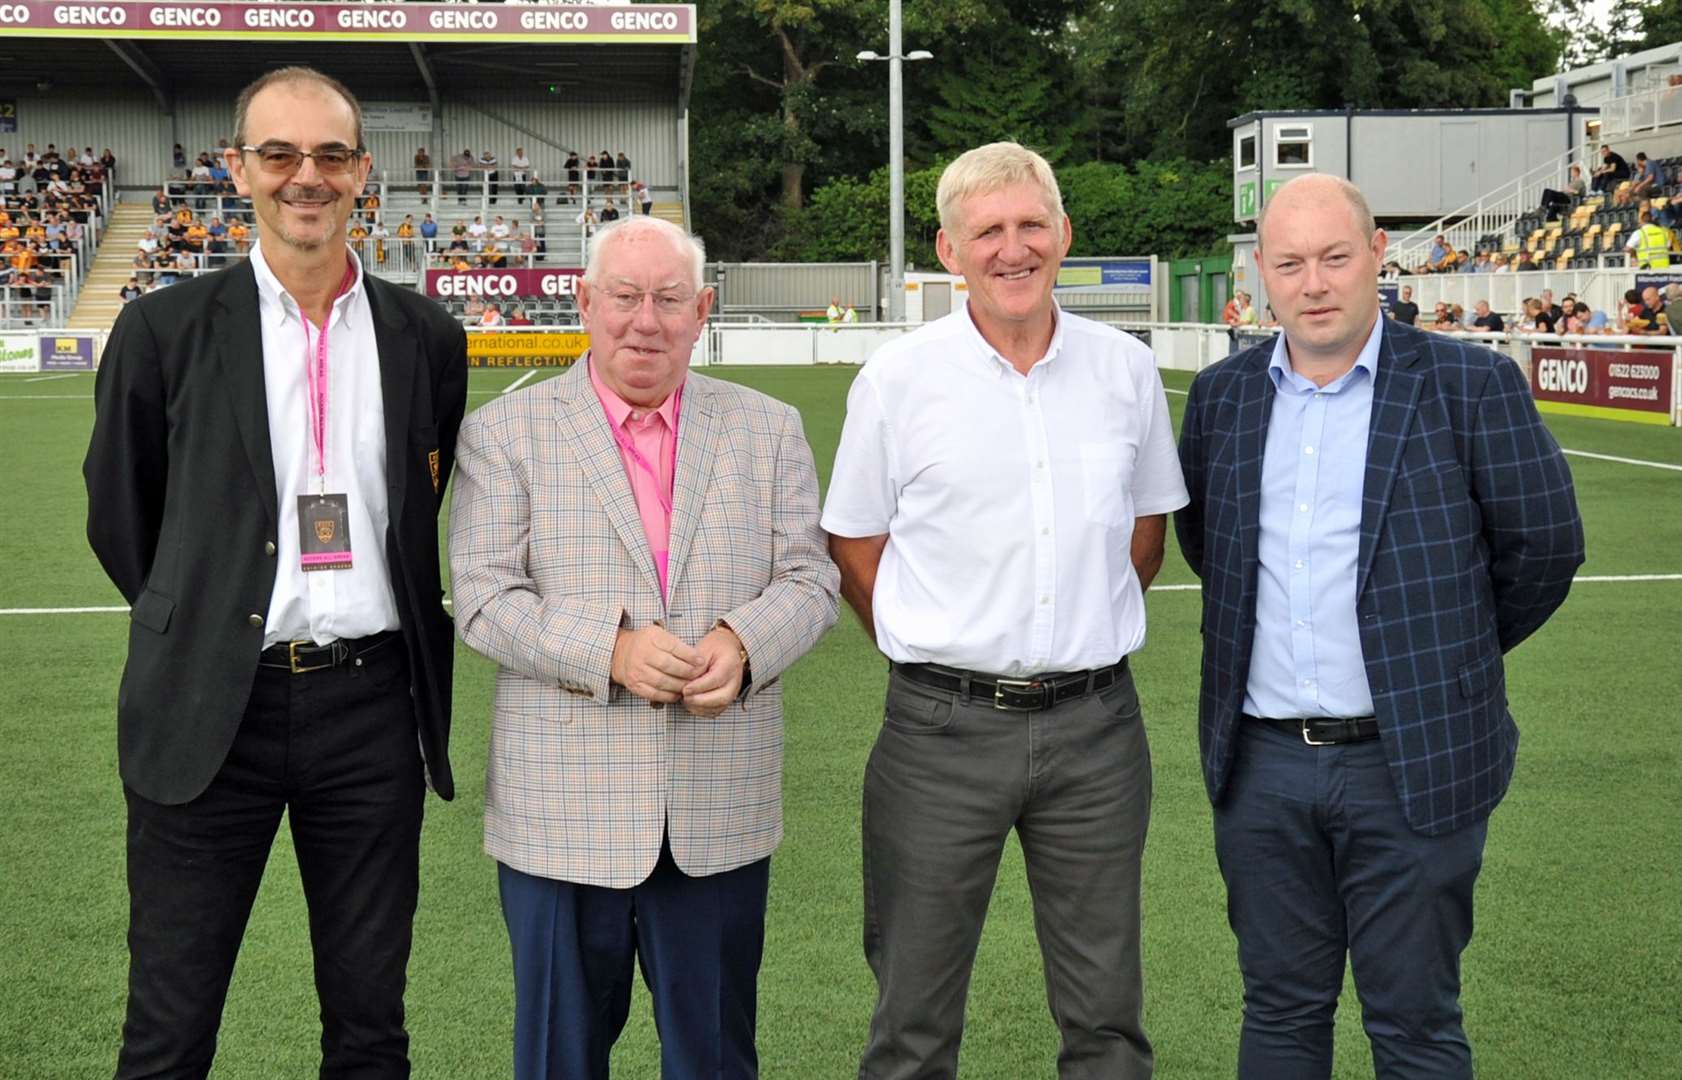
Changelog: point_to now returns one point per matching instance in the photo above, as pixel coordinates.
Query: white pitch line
(50, 378)
(1171, 390)
(1625, 460)
(450, 602)
(521, 381)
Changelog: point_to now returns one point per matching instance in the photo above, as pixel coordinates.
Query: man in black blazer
(270, 450)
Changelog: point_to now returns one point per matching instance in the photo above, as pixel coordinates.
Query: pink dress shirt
(647, 441)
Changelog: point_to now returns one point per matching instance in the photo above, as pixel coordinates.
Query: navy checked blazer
(1470, 537)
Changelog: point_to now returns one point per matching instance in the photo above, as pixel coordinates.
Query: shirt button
(1308, 449)
(254, 620)
(1303, 507)
(1299, 564)
(1045, 531)
(1302, 623)
(1308, 683)
(1045, 600)
(1039, 464)
(268, 547)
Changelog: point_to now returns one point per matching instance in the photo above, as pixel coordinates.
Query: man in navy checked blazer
(1378, 515)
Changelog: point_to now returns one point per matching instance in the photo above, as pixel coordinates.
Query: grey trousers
(945, 784)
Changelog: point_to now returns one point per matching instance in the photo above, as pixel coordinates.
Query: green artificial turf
(1575, 970)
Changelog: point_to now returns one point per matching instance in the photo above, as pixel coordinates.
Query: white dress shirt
(324, 605)
(1008, 500)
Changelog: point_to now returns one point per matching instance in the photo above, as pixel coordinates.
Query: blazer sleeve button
(254, 620)
(268, 547)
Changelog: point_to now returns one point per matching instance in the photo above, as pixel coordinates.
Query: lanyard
(315, 379)
(625, 444)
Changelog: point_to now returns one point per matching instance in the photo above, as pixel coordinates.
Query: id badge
(324, 532)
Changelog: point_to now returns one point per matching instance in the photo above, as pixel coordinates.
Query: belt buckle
(1001, 685)
(292, 658)
(1312, 742)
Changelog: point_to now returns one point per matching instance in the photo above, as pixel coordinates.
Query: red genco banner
(1640, 380)
(622, 23)
(497, 284)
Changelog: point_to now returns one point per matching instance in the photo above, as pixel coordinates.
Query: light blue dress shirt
(1306, 660)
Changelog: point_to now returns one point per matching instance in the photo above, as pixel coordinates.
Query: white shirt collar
(276, 303)
(995, 363)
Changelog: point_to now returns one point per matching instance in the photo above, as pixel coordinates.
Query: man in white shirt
(499, 228)
(477, 229)
(521, 164)
(997, 508)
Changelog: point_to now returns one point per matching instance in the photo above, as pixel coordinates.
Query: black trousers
(336, 750)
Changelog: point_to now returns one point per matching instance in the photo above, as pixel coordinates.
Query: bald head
(1318, 189)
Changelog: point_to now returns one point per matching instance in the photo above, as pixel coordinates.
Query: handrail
(1492, 212)
(1644, 110)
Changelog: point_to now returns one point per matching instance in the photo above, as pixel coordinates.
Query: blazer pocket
(1477, 676)
(152, 610)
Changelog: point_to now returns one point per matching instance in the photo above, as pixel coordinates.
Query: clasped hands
(655, 665)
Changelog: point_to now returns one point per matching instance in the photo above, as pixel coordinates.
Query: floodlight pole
(896, 168)
(896, 158)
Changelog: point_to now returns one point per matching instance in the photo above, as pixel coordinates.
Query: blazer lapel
(397, 389)
(584, 427)
(238, 347)
(1255, 409)
(1395, 390)
(696, 443)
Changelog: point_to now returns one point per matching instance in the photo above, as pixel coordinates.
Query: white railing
(1646, 110)
(1492, 213)
(1603, 290)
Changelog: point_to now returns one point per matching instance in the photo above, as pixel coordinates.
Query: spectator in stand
(203, 186)
(8, 178)
(488, 164)
(587, 220)
(572, 172)
(538, 190)
(1611, 171)
(1246, 310)
(492, 254)
(1441, 257)
(1592, 322)
(1442, 318)
(608, 172)
(1544, 320)
(1653, 311)
(499, 228)
(239, 234)
(518, 317)
(108, 161)
(1647, 181)
(1405, 310)
(462, 167)
(609, 212)
(644, 197)
(539, 232)
(1229, 313)
(475, 308)
(216, 239)
(520, 166)
(423, 172)
(526, 244)
(143, 266)
(148, 243)
(1487, 320)
(1481, 265)
(428, 228)
(179, 157)
(379, 234)
(1498, 263)
(622, 167)
(1548, 302)
(131, 291)
(197, 235)
(590, 174)
(1649, 244)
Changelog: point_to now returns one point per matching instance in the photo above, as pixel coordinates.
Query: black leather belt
(1015, 695)
(1322, 730)
(301, 656)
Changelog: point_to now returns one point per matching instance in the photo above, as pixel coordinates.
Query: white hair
(625, 228)
(989, 168)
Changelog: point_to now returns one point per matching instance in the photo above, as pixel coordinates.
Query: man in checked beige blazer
(637, 547)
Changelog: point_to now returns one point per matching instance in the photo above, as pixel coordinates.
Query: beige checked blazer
(548, 560)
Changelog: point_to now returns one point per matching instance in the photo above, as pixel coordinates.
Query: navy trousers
(697, 939)
(1320, 863)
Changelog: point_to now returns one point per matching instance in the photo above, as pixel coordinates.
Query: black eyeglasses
(284, 158)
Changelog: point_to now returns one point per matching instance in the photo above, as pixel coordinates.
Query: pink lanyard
(315, 378)
(641, 462)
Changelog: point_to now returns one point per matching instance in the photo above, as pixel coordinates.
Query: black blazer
(182, 513)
